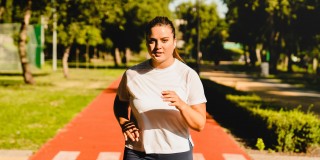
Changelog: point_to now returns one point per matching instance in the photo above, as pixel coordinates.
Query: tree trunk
(252, 55)
(245, 54)
(2, 9)
(65, 62)
(127, 55)
(274, 52)
(77, 57)
(116, 57)
(289, 63)
(258, 51)
(26, 71)
(87, 55)
(315, 65)
(95, 57)
(123, 54)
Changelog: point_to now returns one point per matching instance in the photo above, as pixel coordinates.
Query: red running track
(95, 131)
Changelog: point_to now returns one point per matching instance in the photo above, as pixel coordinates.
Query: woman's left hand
(174, 99)
(195, 115)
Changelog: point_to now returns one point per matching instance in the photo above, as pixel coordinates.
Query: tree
(80, 22)
(26, 71)
(113, 28)
(13, 11)
(89, 36)
(276, 24)
(211, 28)
(128, 32)
(137, 14)
(6, 11)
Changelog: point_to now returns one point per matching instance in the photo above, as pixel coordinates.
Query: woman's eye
(150, 41)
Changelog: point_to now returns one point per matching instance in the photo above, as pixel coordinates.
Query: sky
(222, 8)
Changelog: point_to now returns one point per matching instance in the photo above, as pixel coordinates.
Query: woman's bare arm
(121, 112)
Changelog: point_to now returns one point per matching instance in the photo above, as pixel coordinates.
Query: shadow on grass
(99, 66)
(19, 83)
(7, 83)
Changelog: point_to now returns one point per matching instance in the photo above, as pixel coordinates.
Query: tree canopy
(212, 29)
(110, 24)
(281, 26)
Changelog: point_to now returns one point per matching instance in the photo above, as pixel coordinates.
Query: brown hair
(159, 21)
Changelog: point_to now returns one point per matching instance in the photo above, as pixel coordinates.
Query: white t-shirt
(163, 129)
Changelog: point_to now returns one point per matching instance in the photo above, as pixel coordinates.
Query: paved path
(95, 135)
(271, 90)
(15, 154)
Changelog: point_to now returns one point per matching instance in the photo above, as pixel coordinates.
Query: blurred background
(281, 35)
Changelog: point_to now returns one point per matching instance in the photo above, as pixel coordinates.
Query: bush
(295, 131)
(292, 131)
(260, 145)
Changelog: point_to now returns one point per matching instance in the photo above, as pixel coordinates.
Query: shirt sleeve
(122, 91)
(195, 90)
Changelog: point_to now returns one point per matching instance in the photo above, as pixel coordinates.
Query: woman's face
(161, 45)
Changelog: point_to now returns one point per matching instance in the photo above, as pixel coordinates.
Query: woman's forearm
(195, 116)
(121, 110)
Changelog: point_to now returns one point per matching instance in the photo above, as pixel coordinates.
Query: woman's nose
(158, 45)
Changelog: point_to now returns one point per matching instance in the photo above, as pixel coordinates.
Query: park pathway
(270, 89)
(95, 135)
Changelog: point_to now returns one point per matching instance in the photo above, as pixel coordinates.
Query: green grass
(32, 114)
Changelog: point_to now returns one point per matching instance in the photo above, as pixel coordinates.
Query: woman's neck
(161, 65)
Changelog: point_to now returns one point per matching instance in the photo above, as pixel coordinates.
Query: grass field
(32, 114)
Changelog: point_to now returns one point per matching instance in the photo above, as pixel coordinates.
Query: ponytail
(177, 55)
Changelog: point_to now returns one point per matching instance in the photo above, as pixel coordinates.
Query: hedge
(291, 130)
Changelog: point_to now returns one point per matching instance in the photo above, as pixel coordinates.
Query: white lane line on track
(72, 155)
(109, 156)
(228, 156)
(198, 156)
(66, 155)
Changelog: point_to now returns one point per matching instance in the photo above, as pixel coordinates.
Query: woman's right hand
(130, 130)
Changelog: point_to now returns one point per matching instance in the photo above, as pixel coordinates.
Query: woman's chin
(157, 57)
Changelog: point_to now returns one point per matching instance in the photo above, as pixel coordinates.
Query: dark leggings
(130, 154)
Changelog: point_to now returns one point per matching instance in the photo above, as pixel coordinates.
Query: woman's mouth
(157, 53)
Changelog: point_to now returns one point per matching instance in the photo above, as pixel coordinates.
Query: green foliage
(89, 34)
(211, 27)
(244, 98)
(260, 145)
(79, 23)
(6, 7)
(137, 14)
(276, 24)
(293, 130)
(93, 22)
